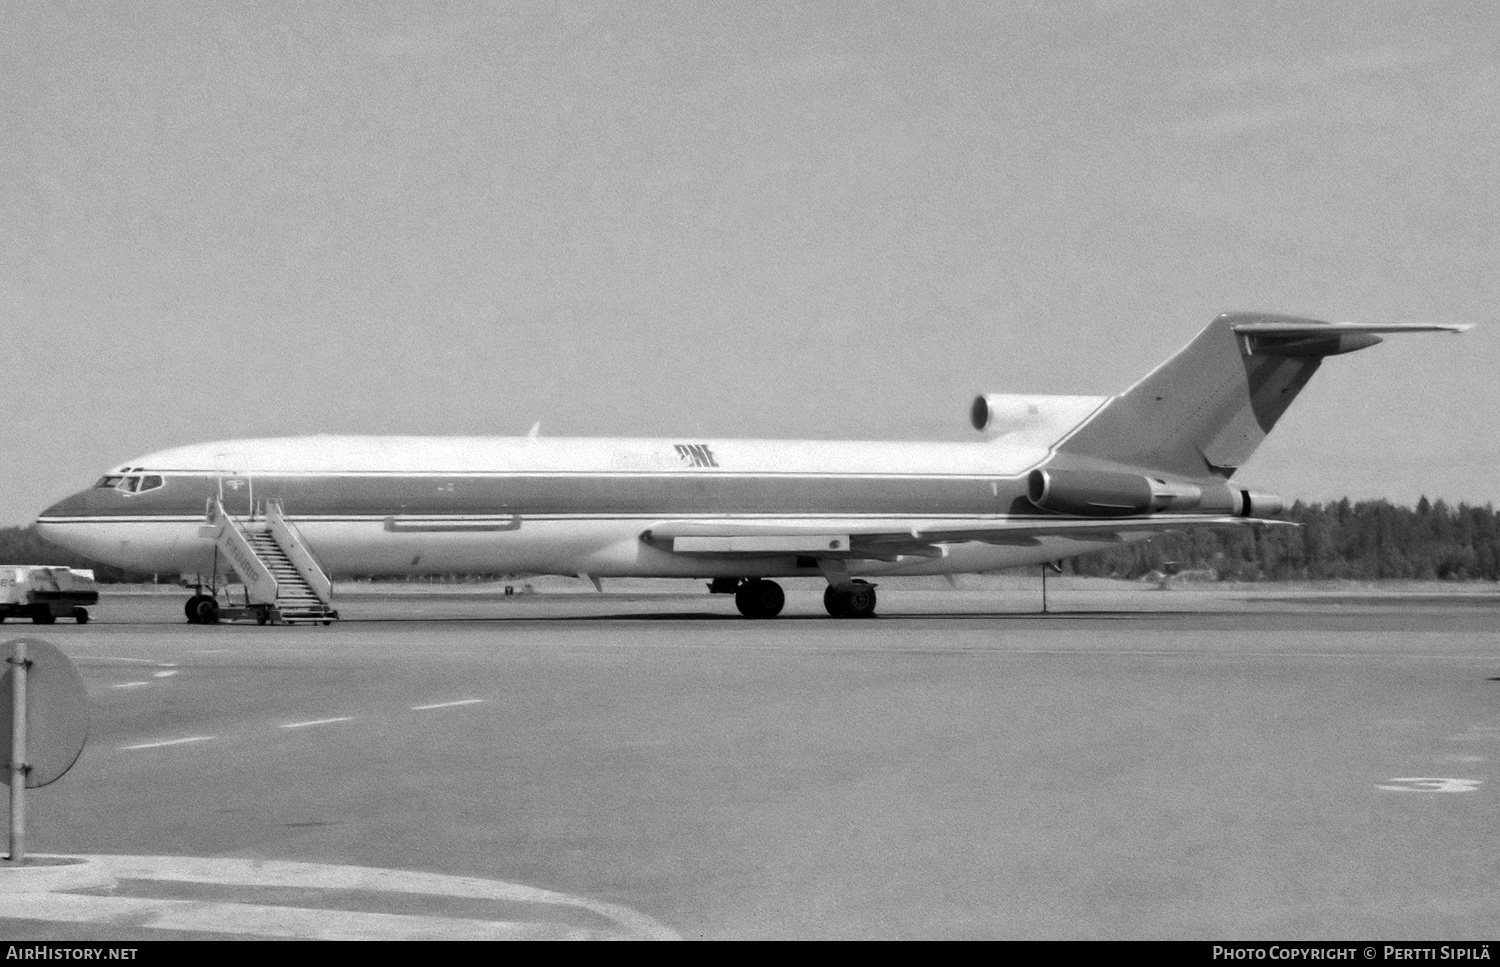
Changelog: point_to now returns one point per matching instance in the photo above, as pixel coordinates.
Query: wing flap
(887, 538)
(761, 543)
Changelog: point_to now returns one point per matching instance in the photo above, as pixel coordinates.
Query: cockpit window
(131, 483)
(134, 483)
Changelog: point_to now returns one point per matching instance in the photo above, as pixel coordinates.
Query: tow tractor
(45, 593)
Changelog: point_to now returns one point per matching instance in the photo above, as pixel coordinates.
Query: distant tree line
(1368, 541)
(23, 545)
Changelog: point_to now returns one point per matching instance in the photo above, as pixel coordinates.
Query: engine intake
(1089, 494)
(1045, 417)
(1100, 494)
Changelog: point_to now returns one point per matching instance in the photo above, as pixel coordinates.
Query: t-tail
(1205, 410)
(1194, 420)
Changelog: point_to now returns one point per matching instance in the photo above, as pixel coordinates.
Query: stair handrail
(261, 585)
(292, 543)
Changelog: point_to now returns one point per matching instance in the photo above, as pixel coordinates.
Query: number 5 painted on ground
(1432, 785)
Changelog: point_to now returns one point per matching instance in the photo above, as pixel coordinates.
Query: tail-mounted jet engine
(1037, 419)
(1100, 494)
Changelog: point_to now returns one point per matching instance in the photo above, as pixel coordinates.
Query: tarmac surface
(1212, 763)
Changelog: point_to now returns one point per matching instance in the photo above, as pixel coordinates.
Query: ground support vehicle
(45, 593)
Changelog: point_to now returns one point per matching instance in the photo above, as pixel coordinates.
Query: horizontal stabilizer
(1309, 328)
(1287, 336)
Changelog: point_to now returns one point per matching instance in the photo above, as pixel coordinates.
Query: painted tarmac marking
(303, 725)
(166, 742)
(146, 661)
(163, 674)
(129, 684)
(462, 701)
(620, 923)
(1432, 784)
(1477, 733)
(272, 921)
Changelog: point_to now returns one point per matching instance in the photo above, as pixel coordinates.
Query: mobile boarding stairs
(283, 582)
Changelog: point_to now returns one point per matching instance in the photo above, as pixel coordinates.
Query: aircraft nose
(70, 506)
(77, 524)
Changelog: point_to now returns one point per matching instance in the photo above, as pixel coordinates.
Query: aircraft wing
(888, 539)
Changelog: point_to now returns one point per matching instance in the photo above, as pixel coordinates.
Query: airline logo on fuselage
(696, 454)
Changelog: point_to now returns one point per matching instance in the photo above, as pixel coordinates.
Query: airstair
(283, 582)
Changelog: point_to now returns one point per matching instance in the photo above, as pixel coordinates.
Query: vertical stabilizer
(1205, 410)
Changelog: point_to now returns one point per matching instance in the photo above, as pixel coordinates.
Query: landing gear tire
(191, 607)
(759, 599)
(81, 615)
(208, 611)
(855, 601)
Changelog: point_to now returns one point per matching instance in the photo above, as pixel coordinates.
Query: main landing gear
(759, 598)
(853, 600)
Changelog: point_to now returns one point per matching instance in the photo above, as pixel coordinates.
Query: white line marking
(147, 661)
(462, 701)
(163, 674)
(1432, 784)
(1474, 736)
(158, 745)
(270, 921)
(225, 917)
(129, 684)
(300, 725)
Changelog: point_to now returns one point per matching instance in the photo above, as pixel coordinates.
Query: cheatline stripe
(757, 518)
(267, 475)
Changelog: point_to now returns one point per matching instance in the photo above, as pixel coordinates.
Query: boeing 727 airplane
(1055, 477)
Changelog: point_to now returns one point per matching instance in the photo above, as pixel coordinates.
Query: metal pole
(18, 766)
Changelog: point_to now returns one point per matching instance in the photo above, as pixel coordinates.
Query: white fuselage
(403, 505)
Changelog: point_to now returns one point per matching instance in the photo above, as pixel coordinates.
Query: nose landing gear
(202, 609)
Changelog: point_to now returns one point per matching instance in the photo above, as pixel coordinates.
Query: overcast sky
(825, 220)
